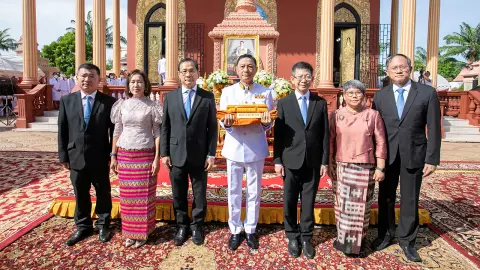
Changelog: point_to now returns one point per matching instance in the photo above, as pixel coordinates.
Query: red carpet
(452, 196)
(44, 248)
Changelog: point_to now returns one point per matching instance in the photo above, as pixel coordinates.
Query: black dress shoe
(181, 236)
(308, 249)
(411, 254)
(198, 236)
(252, 240)
(78, 236)
(294, 248)
(235, 241)
(104, 234)
(380, 244)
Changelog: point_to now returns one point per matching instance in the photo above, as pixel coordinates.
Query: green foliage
(460, 88)
(448, 67)
(61, 53)
(466, 43)
(89, 31)
(110, 65)
(6, 42)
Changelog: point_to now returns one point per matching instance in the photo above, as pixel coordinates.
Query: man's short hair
(89, 67)
(389, 59)
(246, 56)
(148, 85)
(184, 60)
(302, 65)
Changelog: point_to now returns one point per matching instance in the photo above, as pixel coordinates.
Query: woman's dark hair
(148, 86)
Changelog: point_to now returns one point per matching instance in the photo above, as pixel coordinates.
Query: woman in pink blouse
(357, 159)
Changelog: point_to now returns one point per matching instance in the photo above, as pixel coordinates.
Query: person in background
(56, 92)
(358, 151)
(135, 157)
(162, 68)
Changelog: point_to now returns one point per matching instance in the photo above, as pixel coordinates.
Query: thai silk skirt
(137, 192)
(354, 188)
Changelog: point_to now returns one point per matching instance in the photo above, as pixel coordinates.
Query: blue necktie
(188, 103)
(304, 109)
(88, 110)
(400, 102)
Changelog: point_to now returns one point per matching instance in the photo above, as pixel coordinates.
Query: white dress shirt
(298, 95)
(406, 87)
(192, 95)
(84, 99)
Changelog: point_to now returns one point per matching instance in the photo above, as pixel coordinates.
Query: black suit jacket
(81, 145)
(408, 135)
(189, 140)
(296, 142)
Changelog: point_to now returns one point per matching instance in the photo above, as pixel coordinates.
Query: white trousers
(235, 172)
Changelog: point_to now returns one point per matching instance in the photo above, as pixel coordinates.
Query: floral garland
(264, 78)
(218, 77)
(282, 87)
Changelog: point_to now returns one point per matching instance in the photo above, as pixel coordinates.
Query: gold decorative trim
(363, 9)
(143, 6)
(269, 6)
(344, 15)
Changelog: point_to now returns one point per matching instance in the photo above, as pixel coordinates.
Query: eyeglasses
(185, 72)
(402, 68)
(351, 94)
(306, 78)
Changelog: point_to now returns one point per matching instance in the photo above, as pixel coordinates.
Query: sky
(54, 16)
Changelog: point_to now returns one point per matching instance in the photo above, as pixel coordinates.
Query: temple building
(342, 39)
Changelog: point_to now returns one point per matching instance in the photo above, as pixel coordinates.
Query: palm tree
(448, 66)
(89, 31)
(6, 42)
(420, 58)
(465, 43)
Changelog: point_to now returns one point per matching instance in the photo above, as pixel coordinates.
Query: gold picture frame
(236, 45)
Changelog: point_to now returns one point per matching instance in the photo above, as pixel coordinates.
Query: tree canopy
(61, 53)
(466, 43)
(448, 67)
(89, 31)
(6, 42)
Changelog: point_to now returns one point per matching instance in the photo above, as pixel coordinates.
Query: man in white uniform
(245, 149)
(56, 94)
(162, 68)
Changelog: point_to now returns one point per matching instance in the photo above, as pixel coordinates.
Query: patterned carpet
(31, 181)
(44, 248)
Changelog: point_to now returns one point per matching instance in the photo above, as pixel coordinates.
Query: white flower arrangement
(282, 87)
(217, 77)
(264, 78)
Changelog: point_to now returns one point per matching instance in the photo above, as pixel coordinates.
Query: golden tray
(246, 114)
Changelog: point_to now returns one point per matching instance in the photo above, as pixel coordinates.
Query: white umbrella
(11, 65)
(442, 83)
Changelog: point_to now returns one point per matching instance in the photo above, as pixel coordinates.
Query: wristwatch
(380, 169)
(113, 154)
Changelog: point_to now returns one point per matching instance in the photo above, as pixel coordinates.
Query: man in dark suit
(188, 147)
(301, 149)
(84, 143)
(406, 108)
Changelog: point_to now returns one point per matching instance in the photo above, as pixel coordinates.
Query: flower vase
(217, 90)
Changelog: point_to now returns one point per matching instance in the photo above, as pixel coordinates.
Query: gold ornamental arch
(143, 7)
(269, 6)
(362, 7)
